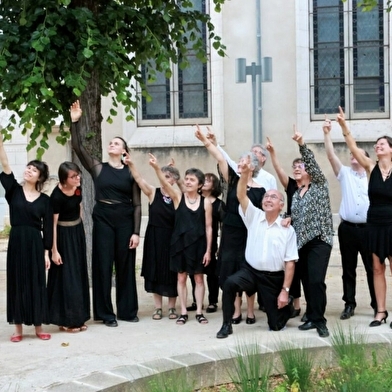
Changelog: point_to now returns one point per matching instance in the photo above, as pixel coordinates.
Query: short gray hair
(254, 162)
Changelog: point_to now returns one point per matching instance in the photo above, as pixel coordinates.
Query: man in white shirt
(271, 252)
(263, 178)
(351, 231)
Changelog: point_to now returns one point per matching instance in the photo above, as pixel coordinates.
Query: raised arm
(242, 185)
(332, 157)
(145, 187)
(311, 166)
(3, 157)
(174, 194)
(282, 175)
(362, 159)
(214, 152)
(85, 158)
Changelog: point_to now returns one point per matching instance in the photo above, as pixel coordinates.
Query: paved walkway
(106, 358)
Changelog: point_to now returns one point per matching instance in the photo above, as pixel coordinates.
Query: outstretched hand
(211, 136)
(297, 137)
(269, 146)
(245, 166)
(327, 125)
(340, 117)
(127, 159)
(75, 111)
(153, 161)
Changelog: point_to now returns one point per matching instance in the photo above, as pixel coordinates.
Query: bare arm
(363, 160)
(3, 157)
(332, 157)
(145, 187)
(282, 175)
(213, 150)
(283, 297)
(174, 194)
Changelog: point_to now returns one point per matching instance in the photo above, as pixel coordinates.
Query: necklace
(248, 187)
(386, 174)
(166, 198)
(192, 201)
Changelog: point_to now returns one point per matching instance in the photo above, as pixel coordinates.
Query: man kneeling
(271, 253)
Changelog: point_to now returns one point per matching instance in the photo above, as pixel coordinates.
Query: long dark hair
(43, 173)
(216, 190)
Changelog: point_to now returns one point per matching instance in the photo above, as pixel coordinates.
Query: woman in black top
(28, 246)
(116, 228)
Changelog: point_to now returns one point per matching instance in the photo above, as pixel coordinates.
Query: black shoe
(347, 312)
(304, 318)
(134, 320)
(212, 308)
(111, 323)
(251, 320)
(225, 331)
(262, 308)
(322, 330)
(191, 308)
(237, 320)
(308, 325)
(377, 323)
(295, 313)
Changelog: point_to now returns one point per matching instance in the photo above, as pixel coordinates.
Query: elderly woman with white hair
(234, 233)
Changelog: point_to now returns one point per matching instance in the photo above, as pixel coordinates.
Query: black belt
(358, 225)
(272, 273)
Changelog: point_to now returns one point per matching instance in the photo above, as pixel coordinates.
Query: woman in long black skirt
(28, 246)
(68, 287)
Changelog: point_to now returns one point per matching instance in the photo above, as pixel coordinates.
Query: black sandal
(182, 319)
(201, 319)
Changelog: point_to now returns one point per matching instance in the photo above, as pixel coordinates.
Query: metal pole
(254, 103)
(259, 136)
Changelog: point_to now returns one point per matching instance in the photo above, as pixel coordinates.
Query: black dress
(158, 278)
(68, 286)
(31, 233)
(234, 232)
(379, 216)
(188, 244)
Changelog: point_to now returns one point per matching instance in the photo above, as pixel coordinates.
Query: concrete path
(104, 358)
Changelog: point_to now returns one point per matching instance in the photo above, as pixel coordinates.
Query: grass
(5, 233)
(358, 369)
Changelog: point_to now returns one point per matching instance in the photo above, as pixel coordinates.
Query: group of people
(262, 251)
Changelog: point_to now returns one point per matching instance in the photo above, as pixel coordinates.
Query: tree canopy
(54, 51)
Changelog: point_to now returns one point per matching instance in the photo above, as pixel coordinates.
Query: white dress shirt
(268, 247)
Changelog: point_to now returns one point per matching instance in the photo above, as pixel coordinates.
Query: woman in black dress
(158, 278)
(28, 246)
(116, 228)
(68, 287)
(190, 246)
(379, 215)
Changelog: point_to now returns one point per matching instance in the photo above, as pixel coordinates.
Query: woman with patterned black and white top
(312, 221)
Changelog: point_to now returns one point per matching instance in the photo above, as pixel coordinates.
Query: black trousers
(268, 287)
(112, 230)
(352, 240)
(313, 263)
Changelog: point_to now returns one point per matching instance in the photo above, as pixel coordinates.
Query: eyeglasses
(75, 176)
(298, 166)
(272, 196)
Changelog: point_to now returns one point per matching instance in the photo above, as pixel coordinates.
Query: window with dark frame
(185, 96)
(348, 58)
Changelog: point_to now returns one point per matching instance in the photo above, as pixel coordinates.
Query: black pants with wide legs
(352, 240)
(112, 230)
(313, 263)
(267, 285)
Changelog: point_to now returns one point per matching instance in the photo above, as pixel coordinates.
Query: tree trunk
(90, 134)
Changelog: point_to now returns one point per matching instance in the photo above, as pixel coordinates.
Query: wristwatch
(287, 289)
